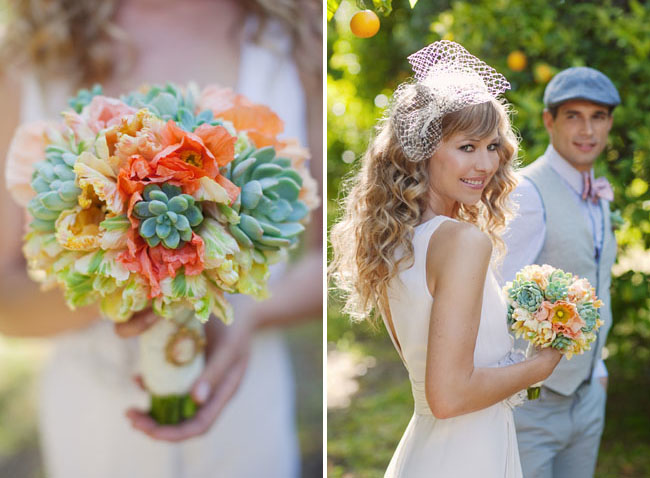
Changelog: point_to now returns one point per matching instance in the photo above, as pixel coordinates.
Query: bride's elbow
(442, 404)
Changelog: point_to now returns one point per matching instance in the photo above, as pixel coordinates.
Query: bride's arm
(457, 262)
(24, 309)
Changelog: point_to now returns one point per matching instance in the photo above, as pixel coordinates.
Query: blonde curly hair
(372, 241)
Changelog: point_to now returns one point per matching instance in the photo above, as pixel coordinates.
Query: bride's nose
(485, 161)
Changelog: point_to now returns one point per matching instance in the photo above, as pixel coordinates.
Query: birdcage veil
(447, 78)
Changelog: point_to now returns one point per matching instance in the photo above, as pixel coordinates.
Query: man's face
(579, 131)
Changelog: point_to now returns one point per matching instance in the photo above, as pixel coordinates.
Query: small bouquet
(552, 308)
(165, 198)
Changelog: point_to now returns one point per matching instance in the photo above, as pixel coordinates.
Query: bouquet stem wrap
(534, 390)
(171, 359)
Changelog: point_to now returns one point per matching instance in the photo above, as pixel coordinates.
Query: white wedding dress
(478, 444)
(87, 383)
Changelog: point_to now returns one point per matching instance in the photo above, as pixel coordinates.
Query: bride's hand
(227, 353)
(550, 357)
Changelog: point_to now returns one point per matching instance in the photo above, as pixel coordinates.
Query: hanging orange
(364, 24)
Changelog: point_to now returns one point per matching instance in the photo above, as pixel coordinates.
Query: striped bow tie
(599, 188)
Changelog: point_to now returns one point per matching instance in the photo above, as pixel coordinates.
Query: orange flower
(157, 263)
(566, 320)
(260, 123)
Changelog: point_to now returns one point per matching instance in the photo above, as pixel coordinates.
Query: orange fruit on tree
(543, 73)
(364, 24)
(516, 60)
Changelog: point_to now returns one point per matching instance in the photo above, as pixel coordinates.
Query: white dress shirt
(527, 231)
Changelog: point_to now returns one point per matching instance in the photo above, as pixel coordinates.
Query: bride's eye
(493, 147)
(468, 148)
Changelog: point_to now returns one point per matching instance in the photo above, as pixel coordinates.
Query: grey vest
(569, 245)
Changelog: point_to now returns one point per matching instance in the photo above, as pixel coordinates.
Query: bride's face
(461, 168)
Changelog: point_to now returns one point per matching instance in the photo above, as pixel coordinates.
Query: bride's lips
(474, 183)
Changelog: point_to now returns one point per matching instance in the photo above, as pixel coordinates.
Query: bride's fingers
(141, 420)
(137, 379)
(220, 362)
(137, 324)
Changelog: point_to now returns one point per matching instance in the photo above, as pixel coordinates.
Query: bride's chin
(470, 202)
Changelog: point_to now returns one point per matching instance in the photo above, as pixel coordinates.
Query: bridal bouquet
(552, 308)
(165, 198)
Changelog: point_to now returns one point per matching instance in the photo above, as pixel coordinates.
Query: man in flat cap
(564, 220)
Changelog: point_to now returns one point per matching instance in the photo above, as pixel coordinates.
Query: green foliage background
(612, 36)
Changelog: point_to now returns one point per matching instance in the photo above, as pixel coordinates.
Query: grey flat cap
(581, 83)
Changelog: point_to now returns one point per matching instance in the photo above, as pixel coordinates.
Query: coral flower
(564, 317)
(260, 123)
(157, 263)
(184, 160)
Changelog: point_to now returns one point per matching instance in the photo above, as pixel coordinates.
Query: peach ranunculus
(258, 121)
(26, 149)
(540, 278)
(140, 134)
(545, 311)
(580, 291)
(102, 112)
(566, 320)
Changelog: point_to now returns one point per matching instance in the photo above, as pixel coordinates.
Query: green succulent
(84, 97)
(561, 342)
(528, 295)
(557, 290)
(169, 102)
(167, 215)
(54, 183)
(268, 206)
(589, 314)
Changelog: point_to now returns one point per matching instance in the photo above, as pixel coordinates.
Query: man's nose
(587, 127)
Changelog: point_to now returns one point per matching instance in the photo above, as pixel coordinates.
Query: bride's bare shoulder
(458, 243)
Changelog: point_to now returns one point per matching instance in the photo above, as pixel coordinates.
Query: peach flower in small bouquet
(166, 198)
(552, 308)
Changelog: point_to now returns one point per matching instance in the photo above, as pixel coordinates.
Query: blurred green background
(369, 398)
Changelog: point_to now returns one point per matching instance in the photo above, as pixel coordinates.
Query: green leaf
(412, 3)
(179, 284)
(385, 7)
(332, 7)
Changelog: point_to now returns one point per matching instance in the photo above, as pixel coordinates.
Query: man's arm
(526, 232)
